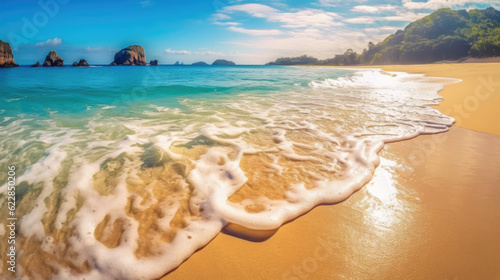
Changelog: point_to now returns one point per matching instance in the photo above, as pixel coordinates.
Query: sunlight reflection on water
(383, 208)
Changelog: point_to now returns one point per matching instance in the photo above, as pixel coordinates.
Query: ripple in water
(114, 195)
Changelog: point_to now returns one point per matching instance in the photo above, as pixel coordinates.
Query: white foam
(337, 125)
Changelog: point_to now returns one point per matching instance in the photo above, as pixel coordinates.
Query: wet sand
(430, 212)
(474, 101)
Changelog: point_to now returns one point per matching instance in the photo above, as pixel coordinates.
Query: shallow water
(125, 171)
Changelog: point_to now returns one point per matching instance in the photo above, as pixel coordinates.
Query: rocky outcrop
(153, 62)
(37, 64)
(179, 64)
(53, 60)
(201, 63)
(223, 62)
(131, 55)
(6, 56)
(82, 63)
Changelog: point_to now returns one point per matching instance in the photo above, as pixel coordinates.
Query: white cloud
(361, 20)
(255, 32)
(146, 4)
(183, 52)
(307, 33)
(325, 46)
(307, 18)
(298, 19)
(436, 4)
(218, 16)
(50, 43)
(315, 31)
(399, 16)
(226, 23)
(403, 17)
(382, 29)
(374, 9)
(186, 52)
(337, 3)
(257, 10)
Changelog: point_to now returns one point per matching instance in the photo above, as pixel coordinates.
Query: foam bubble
(132, 197)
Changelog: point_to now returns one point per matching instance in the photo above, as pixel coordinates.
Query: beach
(248, 172)
(473, 103)
(430, 212)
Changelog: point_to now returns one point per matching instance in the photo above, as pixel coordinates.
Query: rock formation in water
(153, 62)
(37, 64)
(201, 63)
(130, 56)
(53, 60)
(82, 63)
(223, 62)
(6, 56)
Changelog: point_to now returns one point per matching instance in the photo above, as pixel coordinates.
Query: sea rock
(82, 63)
(113, 64)
(177, 64)
(223, 62)
(153, 62)
(201, 63)
(52, 60)
(6, 56)
(37, 64)
(131, 55)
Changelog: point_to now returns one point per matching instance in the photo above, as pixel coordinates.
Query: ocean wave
(126, 197)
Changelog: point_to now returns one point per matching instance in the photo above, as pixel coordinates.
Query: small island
(81, 63)
(53, 60)
(223, 62)
(130, 56)
(6, 56)
(200, 63)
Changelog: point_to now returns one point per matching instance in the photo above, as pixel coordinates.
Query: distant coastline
(444, 35)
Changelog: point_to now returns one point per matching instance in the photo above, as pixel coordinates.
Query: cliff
(6, 56)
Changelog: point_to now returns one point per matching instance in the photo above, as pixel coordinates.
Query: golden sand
(434, 216)
(474, 101)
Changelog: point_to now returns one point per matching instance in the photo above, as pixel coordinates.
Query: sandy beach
(430, 212)
(473, 103)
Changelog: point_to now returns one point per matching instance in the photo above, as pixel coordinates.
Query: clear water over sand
(126, 171)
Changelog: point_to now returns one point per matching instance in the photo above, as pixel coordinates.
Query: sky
(246, 32)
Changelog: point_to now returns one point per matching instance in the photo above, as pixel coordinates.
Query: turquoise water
(124, 172)
(82, 91)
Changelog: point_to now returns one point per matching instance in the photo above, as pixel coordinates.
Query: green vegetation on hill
(443, 35)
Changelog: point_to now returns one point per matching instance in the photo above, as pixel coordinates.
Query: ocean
(124, 172)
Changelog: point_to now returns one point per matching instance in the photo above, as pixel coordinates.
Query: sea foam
(132, 197)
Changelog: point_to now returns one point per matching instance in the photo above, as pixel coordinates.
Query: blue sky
(247, 32)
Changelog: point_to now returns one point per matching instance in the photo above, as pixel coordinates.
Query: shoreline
(471, 102)
(437, 215)
(426, 220)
